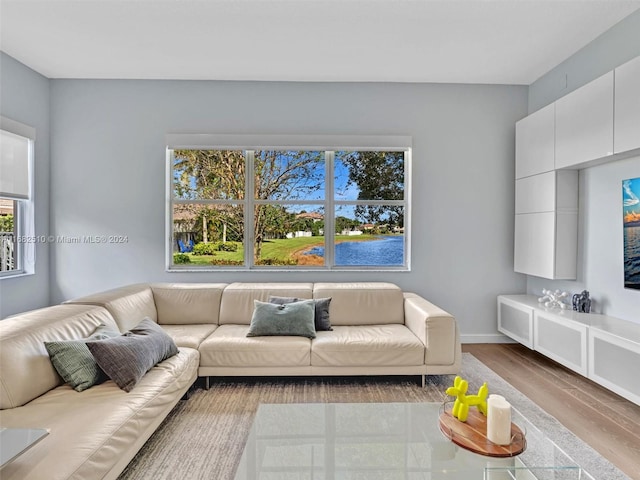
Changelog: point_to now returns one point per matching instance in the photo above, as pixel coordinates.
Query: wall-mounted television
(631, 232)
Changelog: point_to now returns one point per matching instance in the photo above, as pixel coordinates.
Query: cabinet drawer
(536, 194)
(584, 123)
(562, 340)
(535, 244)
(614, 363)
(515, 321)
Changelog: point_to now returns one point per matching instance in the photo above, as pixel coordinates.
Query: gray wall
(24, 97)
(600, 248)
(614, 47)
(109, 169)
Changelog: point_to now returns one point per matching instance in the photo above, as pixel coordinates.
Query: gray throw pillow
(125, 359)
(321, 318)
(73, 360)
(295, 319)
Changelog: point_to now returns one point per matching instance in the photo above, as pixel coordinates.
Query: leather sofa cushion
(236, 306)
(27, 371)
(229, 346)
(187, 303)
(367, 303)
(379, 345)
(189, 335)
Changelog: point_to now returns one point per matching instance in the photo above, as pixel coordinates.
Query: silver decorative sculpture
(582, 302)
(553, 299)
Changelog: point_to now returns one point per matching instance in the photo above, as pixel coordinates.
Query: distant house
(315, 216)
(298, 234)
(6, 207)
(351, 232)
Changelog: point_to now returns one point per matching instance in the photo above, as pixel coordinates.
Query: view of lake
(387, 250)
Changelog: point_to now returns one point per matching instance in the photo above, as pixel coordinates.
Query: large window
(16, 205)
(278, 203)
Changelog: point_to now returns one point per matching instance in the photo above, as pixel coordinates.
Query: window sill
(6, 276)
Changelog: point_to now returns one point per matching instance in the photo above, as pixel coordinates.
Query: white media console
(603, 348)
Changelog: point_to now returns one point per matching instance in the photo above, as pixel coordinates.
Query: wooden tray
(472, 434)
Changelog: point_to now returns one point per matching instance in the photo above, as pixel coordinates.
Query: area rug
(204, 436)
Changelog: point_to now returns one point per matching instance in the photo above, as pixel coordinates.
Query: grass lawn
(280, 249)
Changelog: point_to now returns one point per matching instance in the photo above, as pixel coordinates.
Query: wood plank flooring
(604, 420)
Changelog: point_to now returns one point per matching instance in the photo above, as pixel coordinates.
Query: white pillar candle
(498, 420)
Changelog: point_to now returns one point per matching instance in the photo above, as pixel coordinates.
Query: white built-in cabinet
(584, 123)
(535, 147)
(546, 225)
(598, 122)
(627, 107)
(605, 349)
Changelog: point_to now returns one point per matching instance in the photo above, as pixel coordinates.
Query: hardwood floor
(604, 420)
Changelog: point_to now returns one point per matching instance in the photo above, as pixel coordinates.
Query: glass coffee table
(371, 441)
(15, 441)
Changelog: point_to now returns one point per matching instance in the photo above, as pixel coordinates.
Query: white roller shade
(14, 160)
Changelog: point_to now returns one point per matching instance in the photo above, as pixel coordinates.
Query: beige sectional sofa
(377, 330)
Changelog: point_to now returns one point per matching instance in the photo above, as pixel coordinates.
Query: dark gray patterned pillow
(321, 319)
(73, 360)
(125, 359)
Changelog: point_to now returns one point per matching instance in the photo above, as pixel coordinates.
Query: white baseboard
(486, 338)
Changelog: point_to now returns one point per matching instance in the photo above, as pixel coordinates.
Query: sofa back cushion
(236, 306)
(362, 303)
(27, 371)
(128, 305)
(187, 303)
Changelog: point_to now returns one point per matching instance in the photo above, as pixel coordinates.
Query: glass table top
(370, 441)
(14, 441)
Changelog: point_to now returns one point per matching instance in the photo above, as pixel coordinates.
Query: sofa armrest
(436, 328)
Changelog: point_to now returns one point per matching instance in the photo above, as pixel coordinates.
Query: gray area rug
(203, 437)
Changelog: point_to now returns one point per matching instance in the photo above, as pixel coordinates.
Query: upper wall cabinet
(535, 146)
(627, 107)
(584, 123)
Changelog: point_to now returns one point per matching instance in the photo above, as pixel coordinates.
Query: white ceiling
(456, 41)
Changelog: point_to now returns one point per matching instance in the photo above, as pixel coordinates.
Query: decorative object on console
(472, 435)
(631, 232)
(499, 420)
(463, 401)
(582, 302)
(553, 299)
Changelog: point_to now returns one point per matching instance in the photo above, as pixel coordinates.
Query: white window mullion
(407, 209)
(169, 206)
(329, 214)
(249, 208)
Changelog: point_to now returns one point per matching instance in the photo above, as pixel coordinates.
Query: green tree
(344, 223)
(6, 223)
(378, 176)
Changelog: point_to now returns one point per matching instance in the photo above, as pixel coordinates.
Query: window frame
(24, 227)
(329, 144)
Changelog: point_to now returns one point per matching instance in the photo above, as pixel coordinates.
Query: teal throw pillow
(295, 319)
(73, 360)
(321, 315)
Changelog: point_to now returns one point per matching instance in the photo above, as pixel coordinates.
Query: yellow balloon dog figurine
(463, 401)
